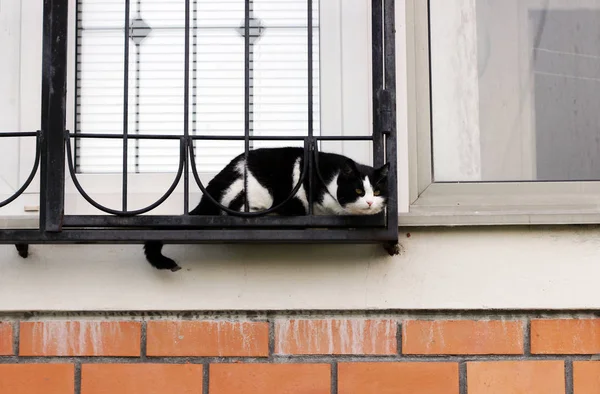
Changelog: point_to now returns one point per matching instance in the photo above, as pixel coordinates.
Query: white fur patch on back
(259, 197)
(301, 194)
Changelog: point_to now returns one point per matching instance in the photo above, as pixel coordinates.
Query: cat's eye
(376, 192)
(359, 191)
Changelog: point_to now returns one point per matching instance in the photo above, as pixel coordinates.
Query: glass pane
(515, 90)
(278, 94)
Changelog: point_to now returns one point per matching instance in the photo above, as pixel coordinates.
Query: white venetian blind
(278, 79)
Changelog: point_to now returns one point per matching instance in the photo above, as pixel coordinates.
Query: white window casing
(344, 106)
(472, 157)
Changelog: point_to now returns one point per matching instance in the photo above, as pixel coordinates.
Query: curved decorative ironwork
(36, 164)
(89, 199)
(259, 213)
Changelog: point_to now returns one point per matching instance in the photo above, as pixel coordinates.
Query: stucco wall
(474, 268)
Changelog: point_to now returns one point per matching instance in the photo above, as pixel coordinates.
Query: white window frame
(345, 54)
(428, 203)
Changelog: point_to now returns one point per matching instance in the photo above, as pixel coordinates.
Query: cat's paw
(23, 250)
(164, 263)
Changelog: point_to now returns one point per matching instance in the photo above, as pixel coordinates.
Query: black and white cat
(350, 189)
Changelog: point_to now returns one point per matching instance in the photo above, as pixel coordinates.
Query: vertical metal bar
(391, 142)
(246, 99)
(126, 103)
(194, 79)
(138, 71)
(310, 107)
(186, 108)
(54, 89)
(78, 57)
(377, 71)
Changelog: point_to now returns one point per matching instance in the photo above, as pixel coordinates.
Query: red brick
(516, 377)
(565, 336)
(141, 378)
(37, 379)
(347, 336)
(270, 378)
(80, 338)
(462, 337)
(586, 377)
(208, 338)
(6, 339)
(398, 378)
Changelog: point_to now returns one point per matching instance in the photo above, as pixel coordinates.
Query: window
(504, 119)
(81, 82)
(278, 71)
(341, 79)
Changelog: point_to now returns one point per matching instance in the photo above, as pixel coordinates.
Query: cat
(350, 189)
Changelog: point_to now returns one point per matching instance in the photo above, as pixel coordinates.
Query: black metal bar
(377, 86)
(310, 107)
(127, 213)
(186, 109)
(389, 126)
(246, 100)
(125, 104)
(54, 89)
(14, 134)
(224, 221)
(227, 137)
(128, 236)
(76, 82)
(29, 179)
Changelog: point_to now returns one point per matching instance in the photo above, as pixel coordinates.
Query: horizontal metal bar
(111, 236)
(224, 137)
(18, 134)
(159, 221)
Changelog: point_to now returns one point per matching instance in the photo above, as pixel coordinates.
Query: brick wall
(358, 353)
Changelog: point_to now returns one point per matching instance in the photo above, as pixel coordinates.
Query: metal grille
(128, 226)
(278, 72)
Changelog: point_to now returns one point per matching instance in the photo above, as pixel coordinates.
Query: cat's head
(362, 190)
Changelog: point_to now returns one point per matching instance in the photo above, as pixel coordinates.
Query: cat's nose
(369, 203)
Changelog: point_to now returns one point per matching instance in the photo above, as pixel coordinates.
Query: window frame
(432, 203)
(142, 190)
(346, 47)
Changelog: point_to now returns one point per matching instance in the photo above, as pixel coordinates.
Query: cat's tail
(153, 251)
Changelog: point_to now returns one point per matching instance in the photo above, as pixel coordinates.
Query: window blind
(278, 78)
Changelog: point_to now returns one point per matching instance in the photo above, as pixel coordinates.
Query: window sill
(498, 215)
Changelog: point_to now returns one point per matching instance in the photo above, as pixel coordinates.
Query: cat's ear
(382, 172)
(349, 168)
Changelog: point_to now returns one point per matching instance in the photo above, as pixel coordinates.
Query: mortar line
(334, 377)
(271, 339)
(78, 378)
(16, 327)
(144, 341)
(259, 315)
(205, 378)
(462, 377)
(527, 338)
(399, 326)
(569, 376)
(287, 359)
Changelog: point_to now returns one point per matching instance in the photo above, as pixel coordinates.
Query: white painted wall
(513, 268)
(468, 268)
